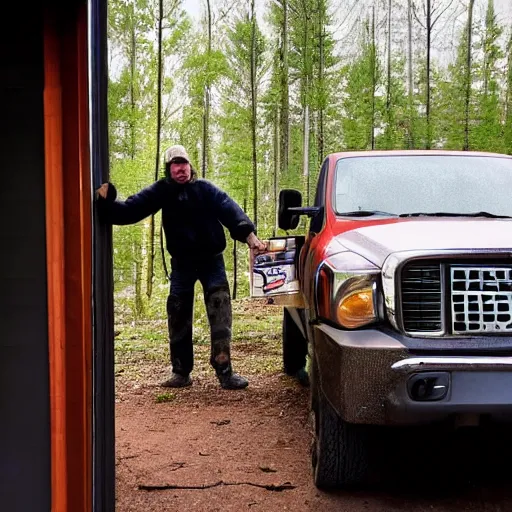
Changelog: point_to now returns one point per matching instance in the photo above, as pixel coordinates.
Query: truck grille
(481, 299)
(422, 297)
(478, 298)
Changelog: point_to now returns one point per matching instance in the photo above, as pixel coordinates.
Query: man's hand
(103, 191)
(255, 244)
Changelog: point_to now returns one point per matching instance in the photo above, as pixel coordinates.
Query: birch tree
(428, 16)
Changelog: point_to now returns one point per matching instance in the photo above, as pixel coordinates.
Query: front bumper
(370, 377)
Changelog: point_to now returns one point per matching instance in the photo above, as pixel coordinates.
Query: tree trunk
(321, 84)
(468, 77)
(428, 143)
(206, 99)
(389, 137)
(373, 64)
(151, 254)
(276, 168)
(489, 25)
(305, 107)
(139, 303)
(306, 151)
(132, 85)
(136, 247)
(254, 99)
(486, 60)
(285, 123)
(410, 78)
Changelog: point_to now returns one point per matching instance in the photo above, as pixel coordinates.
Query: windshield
(400, 185)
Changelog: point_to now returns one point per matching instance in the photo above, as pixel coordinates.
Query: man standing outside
(193, 213)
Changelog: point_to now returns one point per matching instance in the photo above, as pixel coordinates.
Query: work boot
(177, 381)
(232, 381)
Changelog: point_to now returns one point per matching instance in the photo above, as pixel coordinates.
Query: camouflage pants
(180, 303)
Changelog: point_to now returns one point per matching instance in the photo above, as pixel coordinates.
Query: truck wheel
(339, 454)
(295, 346)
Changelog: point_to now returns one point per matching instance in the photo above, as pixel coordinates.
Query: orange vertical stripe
(55, 264)
(77, 253)
(69, 251)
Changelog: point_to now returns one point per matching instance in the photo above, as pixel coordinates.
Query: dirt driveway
(207, 449)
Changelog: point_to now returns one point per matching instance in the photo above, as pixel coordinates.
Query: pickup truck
(400, 292)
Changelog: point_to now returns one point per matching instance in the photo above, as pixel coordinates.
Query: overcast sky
(346, 36)
(196, 7)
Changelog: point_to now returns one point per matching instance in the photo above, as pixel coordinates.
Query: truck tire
(339, 454)
(315, 386)
(295, 346)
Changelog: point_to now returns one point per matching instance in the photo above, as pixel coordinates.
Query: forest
(260, 91)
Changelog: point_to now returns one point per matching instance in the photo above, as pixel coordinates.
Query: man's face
(180, 171)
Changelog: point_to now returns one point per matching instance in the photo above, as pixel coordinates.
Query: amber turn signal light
(356, 309)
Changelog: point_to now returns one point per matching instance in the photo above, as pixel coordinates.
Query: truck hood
(377, 242)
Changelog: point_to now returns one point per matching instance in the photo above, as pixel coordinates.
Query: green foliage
(132, 125)
(488, 111)
(453, 97)
(362, 77)
(394, 119)
(235, 146)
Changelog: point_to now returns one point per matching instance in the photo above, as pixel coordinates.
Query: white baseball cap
(176, 151)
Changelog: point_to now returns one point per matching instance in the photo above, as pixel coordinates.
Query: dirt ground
(208, 449)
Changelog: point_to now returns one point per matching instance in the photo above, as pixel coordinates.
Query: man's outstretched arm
(137, 207)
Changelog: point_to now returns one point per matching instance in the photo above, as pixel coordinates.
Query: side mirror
(288, 198)
(290, 209)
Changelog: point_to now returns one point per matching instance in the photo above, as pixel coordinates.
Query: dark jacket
(192, 216)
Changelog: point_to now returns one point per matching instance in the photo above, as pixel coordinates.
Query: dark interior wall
(24, 380)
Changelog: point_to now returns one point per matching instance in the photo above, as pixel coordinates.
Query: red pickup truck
(401, 294)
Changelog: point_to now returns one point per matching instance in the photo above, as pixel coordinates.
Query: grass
(165, 397)
(142, 346)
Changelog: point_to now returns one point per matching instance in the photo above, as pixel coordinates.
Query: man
(193, 213)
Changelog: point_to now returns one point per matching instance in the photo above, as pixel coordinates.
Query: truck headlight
(347, 290)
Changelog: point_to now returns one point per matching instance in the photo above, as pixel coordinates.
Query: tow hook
(428, 386)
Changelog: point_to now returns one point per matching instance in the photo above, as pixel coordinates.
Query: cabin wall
(25, 470)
